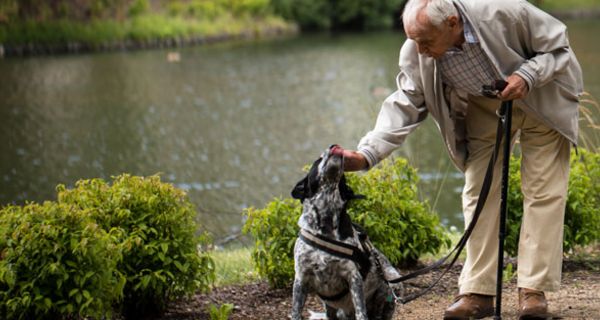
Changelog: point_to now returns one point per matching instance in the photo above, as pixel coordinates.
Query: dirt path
(579, 298)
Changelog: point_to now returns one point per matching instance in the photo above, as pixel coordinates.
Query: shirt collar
(470, 36)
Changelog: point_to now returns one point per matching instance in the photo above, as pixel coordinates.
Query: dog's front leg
(358, 296)
(298, 299)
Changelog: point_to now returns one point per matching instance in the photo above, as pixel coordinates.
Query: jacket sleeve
(547, 42)
(401, 112)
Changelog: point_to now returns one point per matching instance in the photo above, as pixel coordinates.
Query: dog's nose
(336, 150)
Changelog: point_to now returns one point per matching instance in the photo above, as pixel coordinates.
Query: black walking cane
(506, 117)
(506, 113)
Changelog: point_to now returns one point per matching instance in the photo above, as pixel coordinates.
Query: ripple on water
(207, 186)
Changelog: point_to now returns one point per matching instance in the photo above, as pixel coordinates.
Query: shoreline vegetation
(72, 37)
(31, 27)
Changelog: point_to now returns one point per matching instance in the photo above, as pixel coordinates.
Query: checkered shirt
(467, 68)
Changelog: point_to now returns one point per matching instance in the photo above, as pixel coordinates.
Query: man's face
(435, 41)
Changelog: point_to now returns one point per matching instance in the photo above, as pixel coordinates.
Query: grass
(590, 133)
(140, 28)
(143, 27)
(234, 266)
(179, 20)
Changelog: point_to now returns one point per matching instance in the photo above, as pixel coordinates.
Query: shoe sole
(487, 313)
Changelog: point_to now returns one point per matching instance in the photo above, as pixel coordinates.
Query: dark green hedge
(339, 14)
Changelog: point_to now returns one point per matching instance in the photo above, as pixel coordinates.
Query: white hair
(436, 10)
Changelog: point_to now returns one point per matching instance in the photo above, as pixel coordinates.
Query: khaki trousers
(545, 174)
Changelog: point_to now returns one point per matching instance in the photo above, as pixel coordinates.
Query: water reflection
(232, 124)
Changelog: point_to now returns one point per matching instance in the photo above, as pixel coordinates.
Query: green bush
(582, 221)
(399, 225)
(154, 225)
(56, 262)
(274, 230)
(327, 14)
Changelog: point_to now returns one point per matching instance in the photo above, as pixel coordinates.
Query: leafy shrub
(274, 230)
(582, 221)
(155, 229)
(398, 224)
(327, 14)
(56, 262)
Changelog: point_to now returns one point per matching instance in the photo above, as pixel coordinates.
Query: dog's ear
(309, 185)
(299, 190)
(346, 192)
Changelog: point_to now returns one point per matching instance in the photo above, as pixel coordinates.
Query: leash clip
(397, 299)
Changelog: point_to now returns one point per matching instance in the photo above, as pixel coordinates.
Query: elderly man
(454, 47)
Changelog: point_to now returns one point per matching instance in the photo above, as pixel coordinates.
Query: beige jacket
(518, 38)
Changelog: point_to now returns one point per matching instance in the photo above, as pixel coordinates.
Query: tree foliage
(339, 14)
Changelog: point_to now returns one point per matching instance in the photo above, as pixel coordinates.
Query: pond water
(232, 124)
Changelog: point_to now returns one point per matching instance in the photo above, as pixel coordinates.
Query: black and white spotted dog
(332, 257)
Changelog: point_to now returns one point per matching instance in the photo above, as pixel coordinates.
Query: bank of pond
(70, 26)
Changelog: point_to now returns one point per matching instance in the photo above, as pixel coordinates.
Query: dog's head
(328, 170)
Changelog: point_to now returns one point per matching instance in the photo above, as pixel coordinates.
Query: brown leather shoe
(470, 306)
(532, 304)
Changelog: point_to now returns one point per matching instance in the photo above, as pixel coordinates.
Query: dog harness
(360, 256)
(343, 250)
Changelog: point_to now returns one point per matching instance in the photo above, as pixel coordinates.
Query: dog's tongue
(336, 150)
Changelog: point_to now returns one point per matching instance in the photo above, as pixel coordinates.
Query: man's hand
(354, 161)
(516, 89)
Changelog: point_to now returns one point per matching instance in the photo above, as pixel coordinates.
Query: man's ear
(453, 21)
